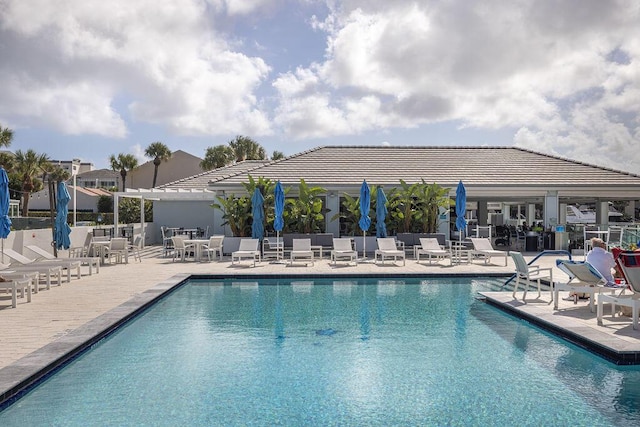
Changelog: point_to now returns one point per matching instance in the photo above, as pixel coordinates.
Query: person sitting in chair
(601, 260)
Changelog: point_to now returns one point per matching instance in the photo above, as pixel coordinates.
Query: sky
(88, 79)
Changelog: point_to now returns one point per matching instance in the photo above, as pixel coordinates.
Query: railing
(543, 253)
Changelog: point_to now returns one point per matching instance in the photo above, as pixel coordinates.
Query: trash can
(531, 242)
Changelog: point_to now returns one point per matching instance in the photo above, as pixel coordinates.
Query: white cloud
(69, 64)
(545, 68)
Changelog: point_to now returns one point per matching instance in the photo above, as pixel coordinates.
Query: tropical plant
(277, 155)
(6, 137)
(129, 210)
(123, 163)
(160, 153)
(236, 213)
(349, 214)
(401, 204)
(306, 213)
(216, 157)
(245, 148)
(28, 165)
(431, 197)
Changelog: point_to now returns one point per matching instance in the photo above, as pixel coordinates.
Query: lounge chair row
(26, 275)
(387, 248)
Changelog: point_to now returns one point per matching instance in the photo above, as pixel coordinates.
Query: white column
(551, 209)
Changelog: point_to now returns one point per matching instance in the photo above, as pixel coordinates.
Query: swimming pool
(332, 352)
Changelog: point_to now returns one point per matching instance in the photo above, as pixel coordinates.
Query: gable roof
(347, 166)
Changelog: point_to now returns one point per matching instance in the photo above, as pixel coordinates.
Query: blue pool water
(332, 352)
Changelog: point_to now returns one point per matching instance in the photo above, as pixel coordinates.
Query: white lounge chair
(301, 250)
(67, 264)
(249, 249)
(629, 263)
(583, 278)
(431, 247)
(89, 260)
(482, 248)
(387, 248)
(47, 271)
(15, 284)
(343, 249)
(529, 273)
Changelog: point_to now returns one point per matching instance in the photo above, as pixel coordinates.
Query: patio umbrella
(365, 221)
(461, 208)
(381, 213)
(62, 229)
(5, 222)
(278, 222)
(257, 210)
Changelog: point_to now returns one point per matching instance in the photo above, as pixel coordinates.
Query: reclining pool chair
(431, 247)
(387, 248)
(343, 249)
(67, 264)
(301, 250)
(249, 249)
(482, 248)
(583, 278)
(629, 262)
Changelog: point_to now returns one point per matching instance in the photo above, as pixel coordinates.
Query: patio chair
(69, 265)
(343, 249)
(118, 249)
(629, 262)
(134, 248)
(387, 248)
(182, 249)
(214, 247)
(84, 250)
(249, 248)
(431, 247)
(583, 278)
(529, 273)
(301, 250)
(482, 248)
(89, 260)
(15, 284)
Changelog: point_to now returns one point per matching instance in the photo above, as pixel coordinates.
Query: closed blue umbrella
(365, 221)
(5, 221)
(62, 229)
(278, 222)
(461, 208)
(381, 213)
(257, 210)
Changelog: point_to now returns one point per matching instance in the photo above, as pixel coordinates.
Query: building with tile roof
(508, 175)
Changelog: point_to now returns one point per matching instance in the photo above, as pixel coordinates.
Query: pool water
(332, 352)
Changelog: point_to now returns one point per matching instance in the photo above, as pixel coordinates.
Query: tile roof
(482, 166)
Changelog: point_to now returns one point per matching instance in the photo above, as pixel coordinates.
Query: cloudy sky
(87, 79)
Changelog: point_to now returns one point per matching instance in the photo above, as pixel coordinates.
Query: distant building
(180, 165)
(68, 164)
(99, 178)
(87, 199)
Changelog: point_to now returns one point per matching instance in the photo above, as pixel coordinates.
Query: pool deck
(63, 319)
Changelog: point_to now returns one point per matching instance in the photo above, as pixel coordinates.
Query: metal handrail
(543, 253)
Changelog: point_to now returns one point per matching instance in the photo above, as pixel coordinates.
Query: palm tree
(6, 136)
(216, 157)
(160, 153)
(245, 148)
(28, 165)
(277, 155)
(123, 163)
